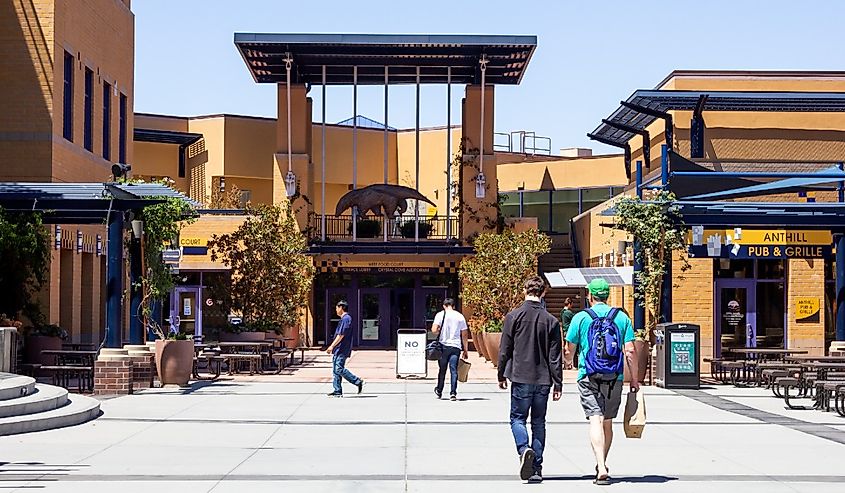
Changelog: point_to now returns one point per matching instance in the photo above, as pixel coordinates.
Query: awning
(788, 185)
(264, 55)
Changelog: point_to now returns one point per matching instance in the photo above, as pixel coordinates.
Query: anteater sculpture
(380, 200)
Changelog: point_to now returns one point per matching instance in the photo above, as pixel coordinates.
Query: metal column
(354, 149)
(136, 292)
(387, 214)
(666, 287)
(840, 287)
(639, 307)
(323, 164)
(114, 282)
(448, 153)
(417, 179)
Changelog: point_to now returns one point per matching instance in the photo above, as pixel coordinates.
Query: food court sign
(759, 243)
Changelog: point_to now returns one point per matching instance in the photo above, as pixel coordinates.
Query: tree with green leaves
(271, 273)
(162, 223)
(492, 278)
(657, 224)
(24, 263)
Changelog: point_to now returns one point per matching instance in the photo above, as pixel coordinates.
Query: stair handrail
(573, 242)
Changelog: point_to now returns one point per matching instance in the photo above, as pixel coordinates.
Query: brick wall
(692, 300)
(113, 376)
(805, 278)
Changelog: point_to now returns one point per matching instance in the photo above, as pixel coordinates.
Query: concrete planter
(242, 337)
(174, 361)
(492, 340)
(33, 345)
(481, 345)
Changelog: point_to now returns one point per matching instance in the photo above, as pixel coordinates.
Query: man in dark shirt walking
(341, 349)
(530, 357)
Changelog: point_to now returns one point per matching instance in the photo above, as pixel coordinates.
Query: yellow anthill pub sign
(760, 243)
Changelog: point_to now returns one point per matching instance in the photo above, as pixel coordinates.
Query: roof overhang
(264, 55)
(82, 203)
(643, 107)
(165, 136)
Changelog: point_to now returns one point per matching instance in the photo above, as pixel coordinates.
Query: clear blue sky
(590, 55)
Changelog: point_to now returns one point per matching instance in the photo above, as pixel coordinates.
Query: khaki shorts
(600, 397)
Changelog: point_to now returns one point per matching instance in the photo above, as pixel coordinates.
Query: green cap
(599, 288)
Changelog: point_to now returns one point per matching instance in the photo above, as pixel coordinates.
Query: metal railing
(372, 228)
(522, 141)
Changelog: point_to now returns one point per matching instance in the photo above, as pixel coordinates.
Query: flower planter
(174, 361)
(482, 346)
(33, 345)
(491, 342)
(242, 336)
(477, 344)
(292, 333)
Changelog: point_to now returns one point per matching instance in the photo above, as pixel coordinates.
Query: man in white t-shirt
(454, 339)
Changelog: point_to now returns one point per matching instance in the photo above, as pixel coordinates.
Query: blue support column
(840, 287)
(666, 288)
(639, 307)
(136, 294)
(664, 165)
(114, 282)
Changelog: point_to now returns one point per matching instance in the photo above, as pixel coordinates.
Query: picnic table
(71, 363)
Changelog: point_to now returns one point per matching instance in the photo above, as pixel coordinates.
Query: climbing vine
(25, 254)
(658, 226)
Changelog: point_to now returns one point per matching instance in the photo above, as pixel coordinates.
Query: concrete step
(79, 409)
(14, 386)
(44, 398)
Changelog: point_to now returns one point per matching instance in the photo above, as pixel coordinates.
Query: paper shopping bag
(635, 415)
(463, 370)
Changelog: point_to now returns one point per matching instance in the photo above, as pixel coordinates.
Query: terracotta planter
(33, 345)
(642, 348)
(242, 337)
(293, 334)
(174, 361)
(482, 346)
(477, 344)
(492, 341)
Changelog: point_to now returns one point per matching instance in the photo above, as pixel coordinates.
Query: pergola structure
(295, 61)
(96, 203)
(702, 187)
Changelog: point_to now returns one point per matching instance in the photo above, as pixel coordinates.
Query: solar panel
(615, 276)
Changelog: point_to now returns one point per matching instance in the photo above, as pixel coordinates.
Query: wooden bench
(279, 357)
(235, 359)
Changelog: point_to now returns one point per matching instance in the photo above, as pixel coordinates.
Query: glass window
(106, 121)
(734, 269)
(565, 207)
(770, 314)
(88, 111)
(595, 194)
(67, 98)
(536, 204)
(121, 131)
(770, 269)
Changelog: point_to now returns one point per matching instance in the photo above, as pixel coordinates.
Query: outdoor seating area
(258, 357)
(791, 375)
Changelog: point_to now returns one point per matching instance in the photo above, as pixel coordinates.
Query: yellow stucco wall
(584, 172)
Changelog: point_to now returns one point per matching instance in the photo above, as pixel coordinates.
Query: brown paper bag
(635, 415)
(463, 370)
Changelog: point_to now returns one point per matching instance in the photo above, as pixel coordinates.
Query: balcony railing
(372, 228)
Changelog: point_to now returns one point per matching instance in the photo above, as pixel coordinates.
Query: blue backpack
(604, 356)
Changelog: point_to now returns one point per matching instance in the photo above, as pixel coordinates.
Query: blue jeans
(533, 399)
(339, 370)
(449, 357)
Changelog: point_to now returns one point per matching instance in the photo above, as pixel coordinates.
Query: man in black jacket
(530, 357)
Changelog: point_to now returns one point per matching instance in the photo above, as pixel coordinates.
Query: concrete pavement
(270, 434)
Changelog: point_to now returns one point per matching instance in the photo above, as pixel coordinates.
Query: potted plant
(476, 326)
(367, 228)
(408, 230)
(492, 339)
(174, 357)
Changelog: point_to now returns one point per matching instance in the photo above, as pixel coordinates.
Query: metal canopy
(82, 203)
(165, 136)
(643, 107)
(827, 177)
(507, 56)
(818, 215)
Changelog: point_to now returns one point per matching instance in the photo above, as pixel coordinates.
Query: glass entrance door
(186, 310)
(736, 314)
(374, 326)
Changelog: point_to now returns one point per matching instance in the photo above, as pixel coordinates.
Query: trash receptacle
(678, 363)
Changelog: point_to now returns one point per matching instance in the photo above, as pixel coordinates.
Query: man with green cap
(605, 340)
